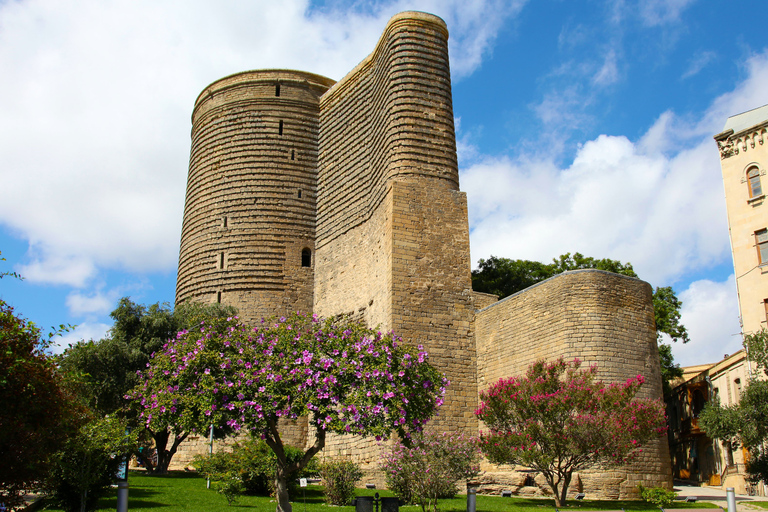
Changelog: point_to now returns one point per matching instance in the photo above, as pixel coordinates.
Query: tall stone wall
(363, 174)
(599, 317)
(392, 232)
(251, 193)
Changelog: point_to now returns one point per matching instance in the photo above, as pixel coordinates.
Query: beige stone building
(744, 159)
(343, 198)
(696, 457)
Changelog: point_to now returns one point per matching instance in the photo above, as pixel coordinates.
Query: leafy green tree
(745, 424)
(107, 368)
(503, 277)
(85, 467)
(37, 409)
(757, 349)
(344, 377)
(558, 419)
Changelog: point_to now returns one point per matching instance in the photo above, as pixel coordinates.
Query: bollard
(390, 505)
(122, 496)
(364, 504)
(472, 497)
(730, 496)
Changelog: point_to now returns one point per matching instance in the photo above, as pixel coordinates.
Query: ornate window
(761, 242)
(753, 177)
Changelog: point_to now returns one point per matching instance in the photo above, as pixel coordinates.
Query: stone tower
(343, 199)
(248, 237)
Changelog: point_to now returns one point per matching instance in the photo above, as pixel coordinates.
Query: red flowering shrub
(558, 419)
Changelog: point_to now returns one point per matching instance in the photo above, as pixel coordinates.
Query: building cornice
(731, 143)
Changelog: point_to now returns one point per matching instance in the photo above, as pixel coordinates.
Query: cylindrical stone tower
(249, 219)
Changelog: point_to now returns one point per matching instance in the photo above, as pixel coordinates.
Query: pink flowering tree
(558, 419)
(343, 377)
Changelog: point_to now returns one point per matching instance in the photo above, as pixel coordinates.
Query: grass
(186, 492)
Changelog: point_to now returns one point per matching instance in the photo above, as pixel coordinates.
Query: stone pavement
(717, 496)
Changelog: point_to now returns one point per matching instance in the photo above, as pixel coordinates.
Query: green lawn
(186, 492)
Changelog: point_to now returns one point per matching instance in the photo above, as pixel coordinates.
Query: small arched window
(306, 257)
(755, 188)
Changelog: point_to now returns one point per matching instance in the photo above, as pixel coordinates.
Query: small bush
(249, 469)
(658, 496)
(339, 478)
(429, 467)
(84, 470)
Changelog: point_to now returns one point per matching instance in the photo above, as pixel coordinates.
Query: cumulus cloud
(711, 314)
(84, 331)
(656, 202)
(96, 99)
(97, 303)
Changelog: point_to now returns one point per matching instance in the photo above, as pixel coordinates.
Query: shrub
(84, 470)
(430, 466)
(339, 478)
(249, 469)
(658, 496)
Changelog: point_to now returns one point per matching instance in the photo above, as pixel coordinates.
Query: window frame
(753, 173)
(762, 258)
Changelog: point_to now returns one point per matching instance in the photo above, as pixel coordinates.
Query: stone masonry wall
(364, 174)
(251, 193)
(392, 233)
(599, 317)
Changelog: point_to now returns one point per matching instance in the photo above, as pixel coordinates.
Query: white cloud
(98, 302)
(68, 270)
(662, 12)
(608, 73)
(96, 100)
(84, 331)
(657, 202)
(711, 314)
(663, 214)
(699, 61)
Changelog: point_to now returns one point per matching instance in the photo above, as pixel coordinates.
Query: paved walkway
(717, 496)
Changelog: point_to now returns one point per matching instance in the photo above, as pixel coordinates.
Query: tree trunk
(161, 442)
(284, 469)
(164, 455)
(559, 480)
(281, 489)
(566, 481)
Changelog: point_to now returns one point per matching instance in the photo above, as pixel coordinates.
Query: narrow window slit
(280, 128)
(293, 154)
(221, 261)
(218, 297)
(277, 89)
(299, 193)
(225, 221)
(306, 257)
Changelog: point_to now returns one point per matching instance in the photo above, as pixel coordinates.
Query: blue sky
(582, 126)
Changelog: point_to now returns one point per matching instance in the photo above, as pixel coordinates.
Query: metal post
(472, 498)
(730, 496)
(122, 496)
(210, 452)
